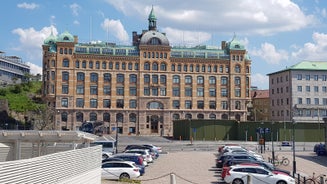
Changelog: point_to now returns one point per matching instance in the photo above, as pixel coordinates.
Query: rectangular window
(307, 77)
(120, 91)
(307, 88)
(308, 100)
(93, 103)
(80, 102)
(188, 104)
(200, 92)
(146, 91)
(200, 104)
(238, 92)
(324, 101)
(106, 90)
(299, 100)
(315, 77)
(224, 105)
(106, 103)
(120, 103)
(212, 104)
(176, 91)
(188, 92)
(132, 91)
(299, 88)
(162, 91)
(64, 102)
(175, 104)
(324, 77)
(316, 89)
(65, 88)
(316, 101)
(155, 91)
(224, 92)
(80, 89)
(324, 89)
(212, 92)
(299, 76)
(132, 104)
(93, 90)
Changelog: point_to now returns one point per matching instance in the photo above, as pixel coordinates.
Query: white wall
(82, 166)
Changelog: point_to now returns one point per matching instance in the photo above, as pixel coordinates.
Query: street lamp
(293, 146)
(272, 141)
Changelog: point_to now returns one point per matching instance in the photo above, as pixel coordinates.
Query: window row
(303, 113)
(279, 102)
(280, 90)
(94, 117)
(208, 68)
(80, 102)
(315, 89)
(155, 55)
(315, 101)
(279, 79)
(309, 77)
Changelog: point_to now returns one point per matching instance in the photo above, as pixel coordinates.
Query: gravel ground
(196, 165)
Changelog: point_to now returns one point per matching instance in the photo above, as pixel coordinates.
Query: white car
(119, 170)
(238, 174)
(145, 153)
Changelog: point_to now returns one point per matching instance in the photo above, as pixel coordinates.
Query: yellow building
(141, 89)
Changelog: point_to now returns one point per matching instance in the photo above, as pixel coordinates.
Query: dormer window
(66, 38)
(237, 46)
(154, 41)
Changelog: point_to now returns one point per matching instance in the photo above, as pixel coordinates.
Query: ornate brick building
(142, 88)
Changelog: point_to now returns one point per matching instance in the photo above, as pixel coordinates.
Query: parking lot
(195, 164)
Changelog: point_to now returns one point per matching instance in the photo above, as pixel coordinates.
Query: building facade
(12, 69)
(299, 93)
(260, 105)
(142, 88)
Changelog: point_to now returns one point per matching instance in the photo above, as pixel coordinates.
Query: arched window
(188, 79)
(106, 117)
(188, 116)
(132, 78)
(154, 105)
(93, 116)
(132, 117)
(90, 64)
(173, 67)
(79, 117)
(94, 77)
(200, 79)
(97, 65)
(224, 81)
(212, 116)
(224, 116)
(155, 66)
(200, 116)
(212, 80)
(237, 81)
(65, 63)
(77, 64)
(146, 66)
(119, 117)
(176, 79)
(163, 67)
(175, 116)
(247, 69)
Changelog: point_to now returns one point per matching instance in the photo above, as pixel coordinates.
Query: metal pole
(272, 142)
(294, 162)
(116, 136)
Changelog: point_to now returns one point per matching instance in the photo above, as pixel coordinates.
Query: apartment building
(142, 88)
(299, 92)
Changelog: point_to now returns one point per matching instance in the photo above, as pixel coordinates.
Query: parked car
(145, 153)
(158, 148)
(320, 149)
(264, 164)
(154, 153)
(133, 157)
(238, 174)
(286, 143)
(119, 170)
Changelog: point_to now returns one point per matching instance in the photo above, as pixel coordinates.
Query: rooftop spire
(152, 20)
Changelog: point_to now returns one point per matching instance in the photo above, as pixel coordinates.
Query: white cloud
(76, 22)
(31, 41)
(52, 20)
(115, 27)
(35, 69)
(259, 79)
(28, 6)
(75, 9)
(269, 53)
(243, 16)
(187, 38)
(316, 50)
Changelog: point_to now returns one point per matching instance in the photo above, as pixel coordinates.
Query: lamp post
(293, 146)
(272, 141)
(116, 136)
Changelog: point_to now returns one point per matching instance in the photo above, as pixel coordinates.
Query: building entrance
(154, 123)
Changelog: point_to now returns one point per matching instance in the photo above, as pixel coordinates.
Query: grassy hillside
(23, 97)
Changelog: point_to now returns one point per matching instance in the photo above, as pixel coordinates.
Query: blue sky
(276, 33)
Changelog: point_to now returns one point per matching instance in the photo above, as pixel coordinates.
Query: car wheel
(281, 182)
(104, 156)
(237, 181)
(124, 176)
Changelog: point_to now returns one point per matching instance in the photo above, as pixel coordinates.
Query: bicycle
(316, 179)
(284, 161)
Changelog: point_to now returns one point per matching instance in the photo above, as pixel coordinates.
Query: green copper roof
(310, 65)
(306, 65)
(235, 44)
(152, 16)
